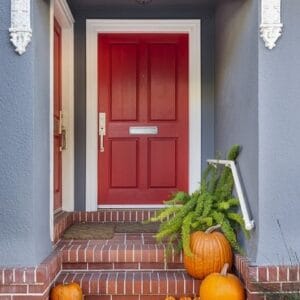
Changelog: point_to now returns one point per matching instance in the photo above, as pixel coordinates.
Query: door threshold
(137, 206)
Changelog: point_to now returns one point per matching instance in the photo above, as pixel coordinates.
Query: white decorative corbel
(271, 26)
(20, 29)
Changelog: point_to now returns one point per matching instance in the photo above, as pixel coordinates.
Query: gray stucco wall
(139, 12)
(236, 109)
(279, 143)
(257, 106)
(24, 143)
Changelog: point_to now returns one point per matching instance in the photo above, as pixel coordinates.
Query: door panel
(57, 157)
(162, 171)
(143, 81)
(123, 163)
(123, 82)
(162, 77)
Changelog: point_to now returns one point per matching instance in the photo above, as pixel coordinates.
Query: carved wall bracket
(21, 32)
(20, 29)
(271, 26)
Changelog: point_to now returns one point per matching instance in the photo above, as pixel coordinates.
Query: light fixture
(143, 2)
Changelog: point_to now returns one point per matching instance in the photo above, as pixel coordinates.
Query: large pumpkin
(211, 251)
(222, 286)
(71, 291)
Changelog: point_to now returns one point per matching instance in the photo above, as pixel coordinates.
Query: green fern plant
(210, 205)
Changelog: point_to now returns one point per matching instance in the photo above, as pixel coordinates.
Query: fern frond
(208, 221)
(228, 231)
(234, 152)
(174, 225)
(211, 204)
(200, 204)
(225, 184)
(163, 235)
(208, 203)
(165, 213)
(213, 179)
(226, 205)
(178, 198)
(185, 233)
(239, 219)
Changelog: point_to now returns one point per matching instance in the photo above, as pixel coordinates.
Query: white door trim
(61, 11)
(93, 28)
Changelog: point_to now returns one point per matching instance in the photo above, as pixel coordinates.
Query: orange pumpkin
(211, 251)
(71, 291)
(222, 286)
(185, 298)
(170, 298)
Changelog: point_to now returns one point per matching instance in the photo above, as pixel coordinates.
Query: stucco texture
(236, 110)
(279, 143)
(24, 143)
(257, 106)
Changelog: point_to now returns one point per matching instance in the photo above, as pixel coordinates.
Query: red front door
(143, 91)
(57, 111)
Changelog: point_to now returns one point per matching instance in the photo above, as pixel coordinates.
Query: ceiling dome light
(143, 2)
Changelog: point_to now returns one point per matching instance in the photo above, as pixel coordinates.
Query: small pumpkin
(185, 298)
(170, 298)
(70, 291)
(223, 286)
(211, 250)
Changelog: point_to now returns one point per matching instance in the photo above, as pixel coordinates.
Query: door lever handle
(63, 140)
(101, 143)
(62, 132)
(102, 129)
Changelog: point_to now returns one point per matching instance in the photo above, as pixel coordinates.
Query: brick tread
(111, 251)
(114, 215)
(132, 282)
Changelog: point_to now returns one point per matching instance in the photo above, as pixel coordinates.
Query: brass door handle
(63, 138)
(102, 129)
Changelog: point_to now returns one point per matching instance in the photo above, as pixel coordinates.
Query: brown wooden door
(143, 88)
(57, 111)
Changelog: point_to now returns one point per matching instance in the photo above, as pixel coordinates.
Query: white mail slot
(143, 130)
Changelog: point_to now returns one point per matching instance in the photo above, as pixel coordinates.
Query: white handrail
(249, 224)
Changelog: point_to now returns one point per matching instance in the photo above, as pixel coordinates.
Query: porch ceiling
(94, 4)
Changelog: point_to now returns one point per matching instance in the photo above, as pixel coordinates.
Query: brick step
(136, 297)
(132, 283)
(123, 266)
(63, 220)
(138, 250)
(114, 215)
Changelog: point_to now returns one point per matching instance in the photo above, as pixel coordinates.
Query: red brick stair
(132, 283)
(129, 266)
(124, 251)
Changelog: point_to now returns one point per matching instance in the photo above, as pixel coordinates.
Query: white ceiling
(93, 4)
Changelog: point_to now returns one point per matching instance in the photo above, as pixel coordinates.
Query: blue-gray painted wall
(24, 143)
(236, 101)
(279, 143)
(141, 12)
(257, 105)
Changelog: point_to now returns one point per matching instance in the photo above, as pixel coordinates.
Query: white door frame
(93, 28)
(61, 11)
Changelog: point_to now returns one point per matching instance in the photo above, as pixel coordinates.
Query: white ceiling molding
(20, 29)
(63, 14)
(271, 26)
